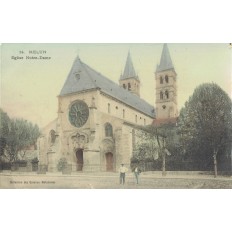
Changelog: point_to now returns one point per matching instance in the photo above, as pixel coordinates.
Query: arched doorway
(80, 160)
(109, 161)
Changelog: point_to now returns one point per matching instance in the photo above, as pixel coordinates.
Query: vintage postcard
(116, 116)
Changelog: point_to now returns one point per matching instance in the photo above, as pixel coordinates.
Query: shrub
(35, 160)
(62, 164)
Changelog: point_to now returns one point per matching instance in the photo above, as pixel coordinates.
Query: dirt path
(110, 181)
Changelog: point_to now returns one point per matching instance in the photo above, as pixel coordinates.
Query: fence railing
(20, 166)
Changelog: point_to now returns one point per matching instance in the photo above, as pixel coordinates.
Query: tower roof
(129, 71)
(82, 77)
(165, 61)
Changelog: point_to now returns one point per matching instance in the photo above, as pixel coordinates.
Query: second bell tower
(129, 79)
(166, 87)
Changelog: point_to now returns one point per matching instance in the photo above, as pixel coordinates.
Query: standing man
(137, 171)
(122, 171)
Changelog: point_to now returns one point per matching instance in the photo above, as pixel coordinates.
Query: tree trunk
(163, 165)
(215, 164)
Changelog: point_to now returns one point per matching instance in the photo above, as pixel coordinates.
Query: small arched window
(52, 137)
(161, 80)
(129, 86)
(123, 113)
(166, 94)
(166, 78)
(161, 95)
(77, 76)
(108, 108)
(124, 86)
(108, 130)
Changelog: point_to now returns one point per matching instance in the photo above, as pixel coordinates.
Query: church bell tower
(129, 80)
(166, 87)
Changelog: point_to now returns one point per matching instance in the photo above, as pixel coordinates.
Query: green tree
(205, 124)
(4, 130)
(165, 135)
(21, 135)
(16, 135)
(157, 141)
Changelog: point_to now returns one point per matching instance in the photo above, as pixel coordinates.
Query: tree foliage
(16, 135)
(156, 141)
(4, 130)
(205, 124)
(146, 146)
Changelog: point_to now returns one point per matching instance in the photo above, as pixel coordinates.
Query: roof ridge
(99, 73)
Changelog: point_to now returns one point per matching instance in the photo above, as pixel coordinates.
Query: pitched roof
(165, 61)
(129, 70)
(82, 77)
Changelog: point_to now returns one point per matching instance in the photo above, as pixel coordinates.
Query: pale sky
(29, 88)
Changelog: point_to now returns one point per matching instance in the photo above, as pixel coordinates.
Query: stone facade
(98, 149)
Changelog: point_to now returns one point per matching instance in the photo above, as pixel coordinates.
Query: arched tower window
(124, 86)
(52, 137)
(129, 86)
(108, 130)
(123, 113)
(108, 108)
(166, 94)
(161, 80)
(161, 95)
(166, 78)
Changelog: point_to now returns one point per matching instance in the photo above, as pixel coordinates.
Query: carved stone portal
(79, 141)
(107, 146)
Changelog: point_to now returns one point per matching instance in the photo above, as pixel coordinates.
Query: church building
(94, 129)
